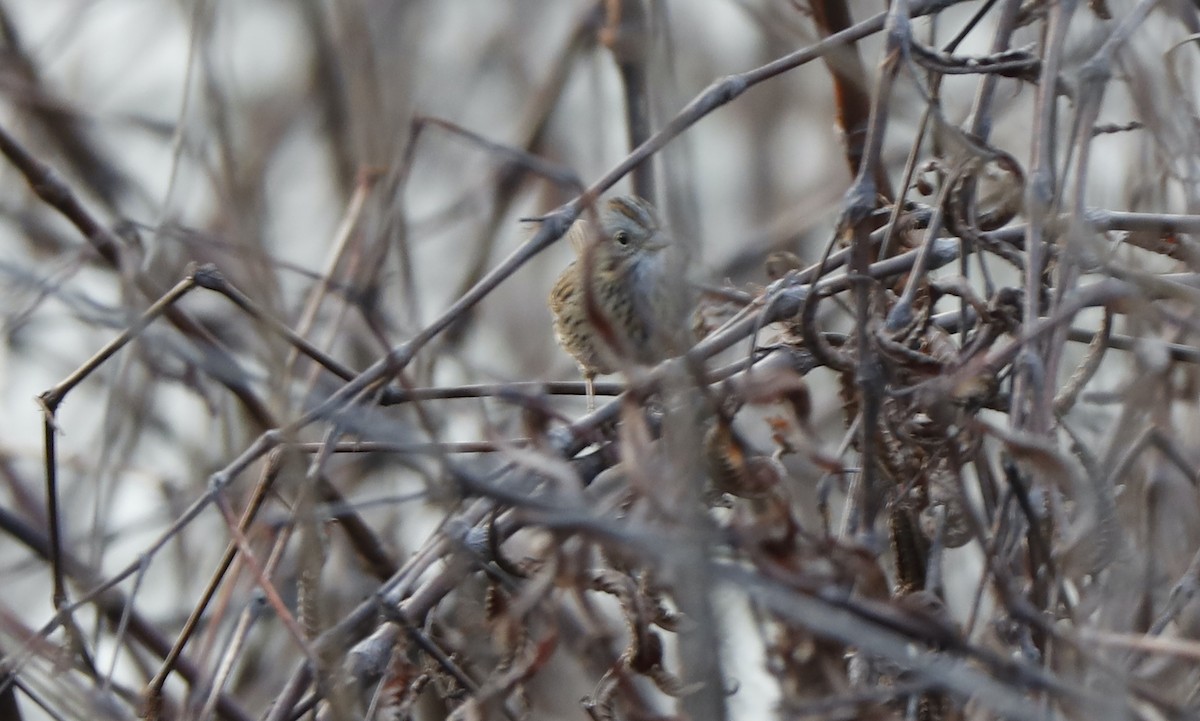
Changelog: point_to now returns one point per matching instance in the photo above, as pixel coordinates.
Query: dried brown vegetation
(303, 453)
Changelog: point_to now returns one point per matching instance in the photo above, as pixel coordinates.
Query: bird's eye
(621, 237)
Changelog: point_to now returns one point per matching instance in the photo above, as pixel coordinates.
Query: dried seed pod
(734, 468)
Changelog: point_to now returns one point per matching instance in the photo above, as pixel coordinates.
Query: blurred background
(298, 146)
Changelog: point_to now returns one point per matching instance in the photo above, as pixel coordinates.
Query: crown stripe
(636, 209)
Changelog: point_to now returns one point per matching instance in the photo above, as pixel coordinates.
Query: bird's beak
(656, 245)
